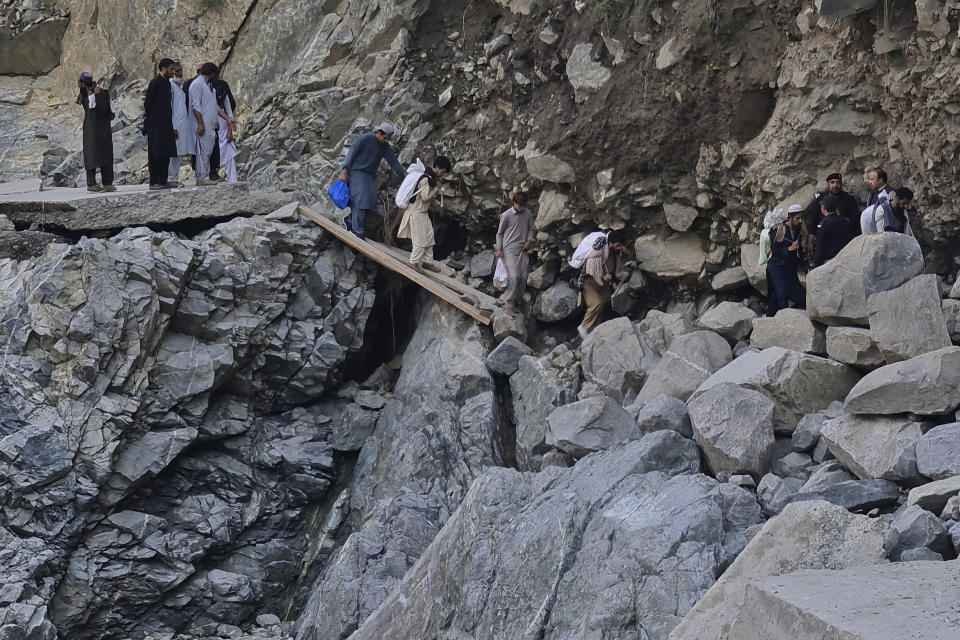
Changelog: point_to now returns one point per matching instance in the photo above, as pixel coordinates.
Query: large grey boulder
(590, 425)
(618, 356)
(934, 496)
(908, 321)
(686, 364)
(791, 329)
(557, 303)
(730, 280)
(896, 600)
(837, 292)
(874, 446)
(938, 452)
(756, 272)
(855, 495)
(676, 256)
(854, 346)
(662, 413)
(584, 73)
(612, 510)
(806, 535)
(925, 385)
(807, 434)
(537, 388)
(505, 359)
(951, 316)
(774, 493)
(734, 428)
(731, 320)
(442, 426)
(679, 216)
(913, 527)
(673, 325)
(797, 383)
(826, 474)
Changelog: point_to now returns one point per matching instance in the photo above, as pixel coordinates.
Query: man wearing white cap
(360, 172)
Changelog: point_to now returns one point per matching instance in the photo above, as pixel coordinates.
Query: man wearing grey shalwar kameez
(360, 172)
(514, 238)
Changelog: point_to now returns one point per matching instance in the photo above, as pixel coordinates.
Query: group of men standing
(808, 238)
(189, 119)
(181, 119)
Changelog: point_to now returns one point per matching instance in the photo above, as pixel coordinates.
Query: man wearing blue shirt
(360, 172)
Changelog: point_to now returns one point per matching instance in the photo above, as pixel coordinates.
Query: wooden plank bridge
(475, 304)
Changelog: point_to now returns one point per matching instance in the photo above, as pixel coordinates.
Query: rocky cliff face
(192, 443)
(671, 119)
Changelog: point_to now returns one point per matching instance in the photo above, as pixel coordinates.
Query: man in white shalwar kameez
(203, 102)
(228, 150)
(184, 125)
(416, 223)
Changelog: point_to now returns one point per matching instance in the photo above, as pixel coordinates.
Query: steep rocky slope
(202, 431)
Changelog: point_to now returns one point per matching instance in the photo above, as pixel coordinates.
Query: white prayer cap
(387, 128)
(795, 208)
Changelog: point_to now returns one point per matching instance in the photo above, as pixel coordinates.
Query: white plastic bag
(409, 185)
(500, 275)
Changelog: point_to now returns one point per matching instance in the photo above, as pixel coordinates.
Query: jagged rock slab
(612, 510)
(938, 452)
(913, 527)
(837, 292)
(730, 279)
(76, 210)
(676, 256)
(441, 428)
(686, 364)
(34, 51)
(617, 355)
(756, 272)
(734, 428)
(874, 446)
(557, 303)
(908, 321)
(933, 496)
(791, 329)
(731, 320)
(806, 535)
(925, 385)
(856, 495)
(505, 359)
(798, 383)
(854, 346)
(881, 602)
(590, 425)
(663, 412)
(537, 389)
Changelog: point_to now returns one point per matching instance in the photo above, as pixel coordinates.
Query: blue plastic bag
(340, 194)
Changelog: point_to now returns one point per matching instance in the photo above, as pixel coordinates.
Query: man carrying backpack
(514, 238)
(416, 223)
(602, 268)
